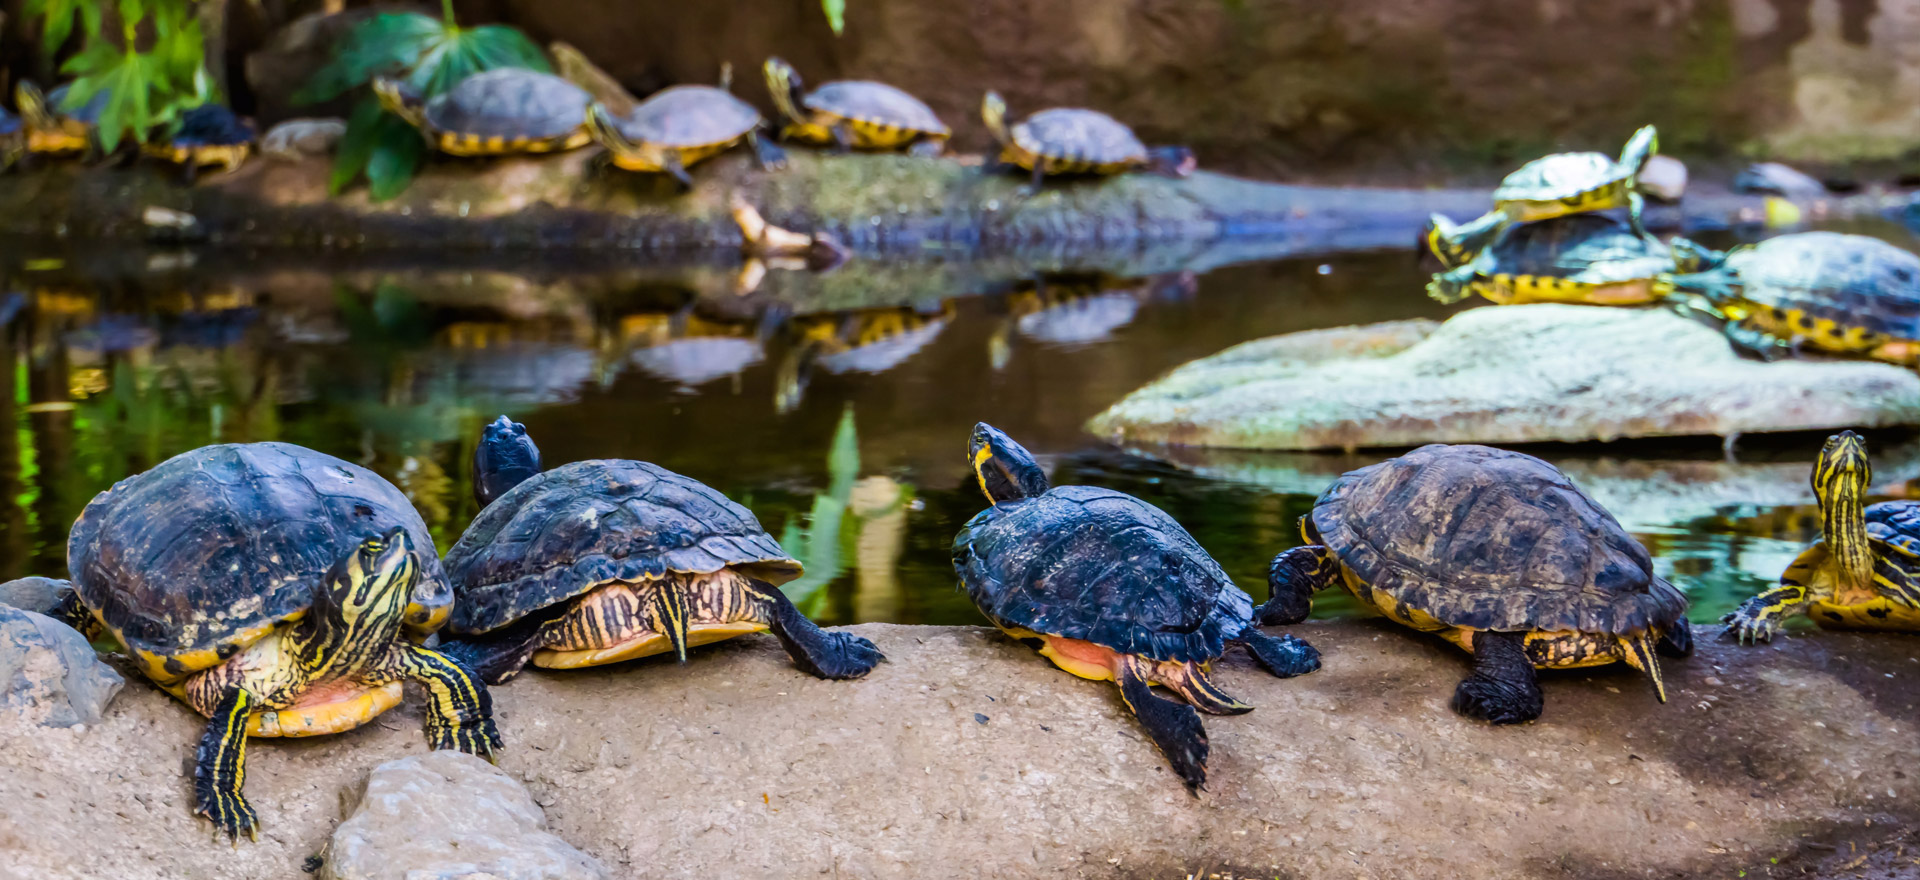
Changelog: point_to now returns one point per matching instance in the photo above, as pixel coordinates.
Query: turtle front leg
(1754, 342)
(927, 148)
(842, 138)
(1503, 689)
(1758, 618)
(70, 612)
(189, 170)
(1283, 656)
(1292, 579)
(220, 768)
(830, 655)
(1173, 726)
(770, 155)
(499, 656)
(459, 709)
(1452, 285)
(677, 170)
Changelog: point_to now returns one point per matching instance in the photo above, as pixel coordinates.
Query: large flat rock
(1509, 374)
(968, 755)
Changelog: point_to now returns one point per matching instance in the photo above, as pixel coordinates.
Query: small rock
(34, 593)
(297, 139)
(1773, 178)
(448, 815)
(1664, 178)
(48, 672)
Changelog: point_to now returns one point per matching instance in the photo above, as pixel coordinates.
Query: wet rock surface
(738, 764)
(33, 593)
(1507, 374)
(446, 816)
(49, 675)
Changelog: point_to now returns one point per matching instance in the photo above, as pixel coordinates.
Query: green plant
(151, 71)
(836, 11)
(431, 55)
(817, 546)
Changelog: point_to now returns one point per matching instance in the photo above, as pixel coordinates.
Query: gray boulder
(34, 593)
(49, 675)
(450, 816)
(1775, 179)
(1664, 178)
(1503, 374)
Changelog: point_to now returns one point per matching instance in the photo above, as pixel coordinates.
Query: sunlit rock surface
(1508, 374)
(49, 675)
(967, 754)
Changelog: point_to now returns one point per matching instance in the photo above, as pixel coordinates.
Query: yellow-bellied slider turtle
(268, 586)
(1579, 258)
(854, 114)
(1838, 293)
(601, 561)
(863, 341)
(209, 134)
(1558, 185)
(680, 127)
(1071, 140)
(1864, 572)
(494, 112)
(1496, 552)
(53, 131)
(1112, 589)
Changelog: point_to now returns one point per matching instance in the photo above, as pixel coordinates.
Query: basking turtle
(1864, 573)
(869, 341)
(1579, 258)
(1496, 552)
(269, 587)
(1837, 293)
(854, 114)
(601, 561)
(1555, 186)
(493, 113)
(52, 131)
(1068, 140)
(1112, 589)
(680, 127)
(209, 134)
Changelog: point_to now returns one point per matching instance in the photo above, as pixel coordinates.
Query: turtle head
(1456, 244)
(401, 99)
(993, 112)
(1640, 148)
(366, 592)
(505, 458)
(1840, 479)
(33, 105)
(1006, 470)
(1689, 257)
(783, 83)
(1175, 162)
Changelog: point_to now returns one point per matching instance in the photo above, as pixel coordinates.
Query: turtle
(1497, 552)
(681, 126)
(1579, 258)
(209, 134)
(1111, 588)
(854, 114)
(1558, 185)
(52, 131)
(1071, 140)
(493, 113)
(606, 560)
(1864, 572)
(1833, 292)
(277, 590)
(869, 341)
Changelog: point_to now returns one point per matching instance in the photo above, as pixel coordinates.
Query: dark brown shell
(588, 523)
(1490, 539)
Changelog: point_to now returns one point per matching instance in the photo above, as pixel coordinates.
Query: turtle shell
(204, 554)
(1896, 523)
(212, 125)
(1560, 176)
(1492, 540)
(690, 116)
(573, 528)
(510, 102)
(1586, 247)
(875, 102)
(1067, 132)
(89, 113)
(1104, 567)
(1854, 280)
(9, 123)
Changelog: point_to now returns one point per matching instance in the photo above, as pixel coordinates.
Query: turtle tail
(1641, 654)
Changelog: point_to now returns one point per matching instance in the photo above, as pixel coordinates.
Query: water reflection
(836, 405)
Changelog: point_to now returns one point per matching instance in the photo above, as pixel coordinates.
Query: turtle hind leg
(1283, 656)
(766, 152)
(1174, 727)
(830, 655)
(1192, 684)
(1292, 579)
(1676, 642)
(1642, 655)
(220, 768)
(1503, 688)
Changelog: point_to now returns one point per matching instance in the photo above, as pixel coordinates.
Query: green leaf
(356, 146)
(836, 14)
(389, 43)
(396, 156)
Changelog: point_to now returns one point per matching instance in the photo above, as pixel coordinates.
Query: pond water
(845, 431)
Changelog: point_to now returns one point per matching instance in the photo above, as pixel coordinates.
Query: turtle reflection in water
(687, 349)
(866, 341)
(1075, 309)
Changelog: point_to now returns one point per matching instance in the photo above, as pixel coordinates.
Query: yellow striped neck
(1840, 480)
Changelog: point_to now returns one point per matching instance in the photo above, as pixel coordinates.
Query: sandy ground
(967, 755)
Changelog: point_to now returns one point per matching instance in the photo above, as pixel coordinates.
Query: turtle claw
(478, 738)
(230, 814)
(842, 656)
(1748, 626)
